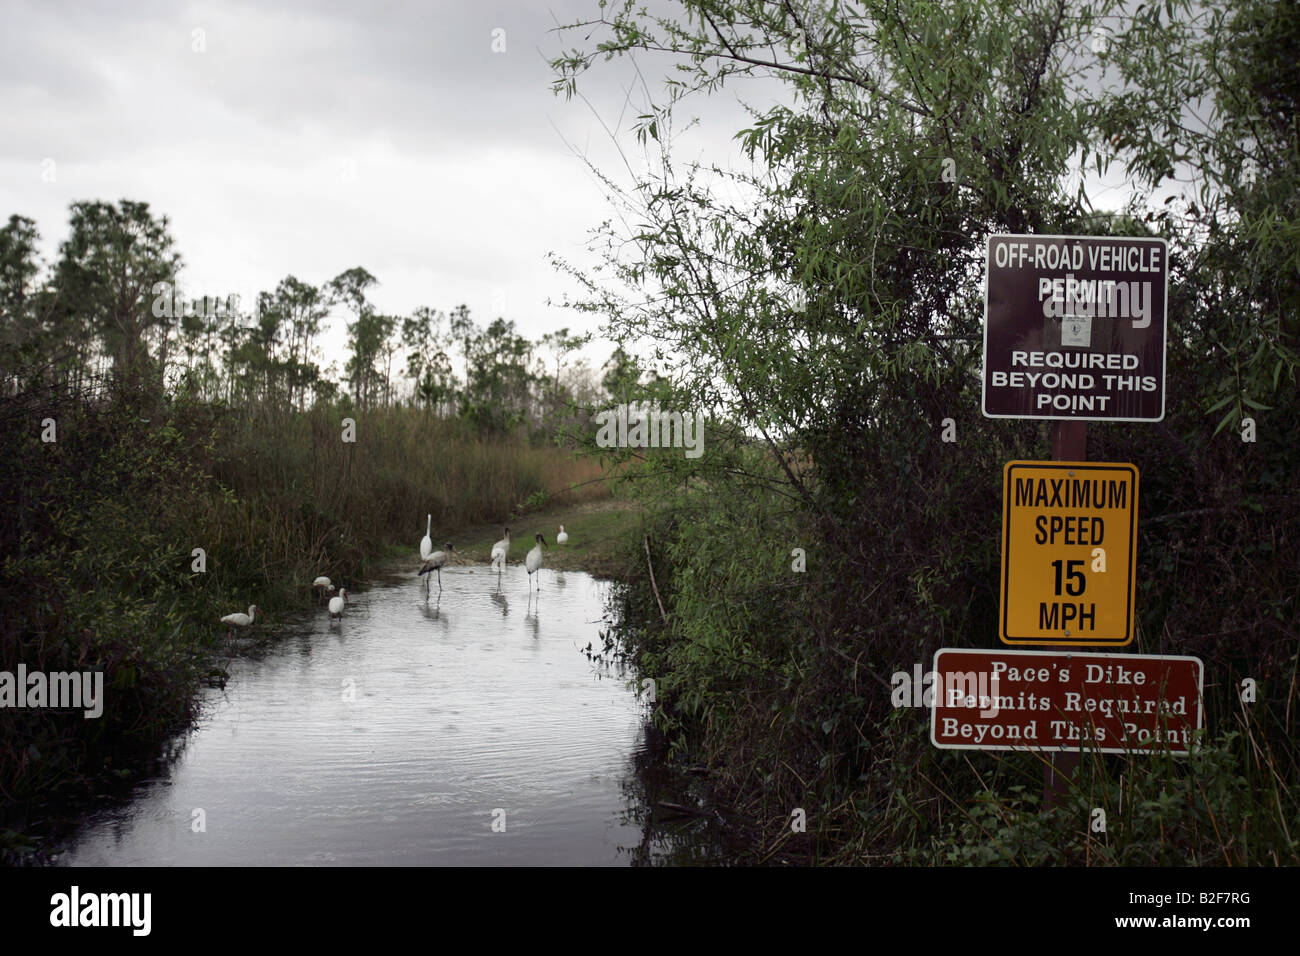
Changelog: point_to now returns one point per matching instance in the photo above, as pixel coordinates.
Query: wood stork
(337, 604)
(239, 619)
(426, 543)
(434, 562)
(324, 585)
(562, 537)
(534, 560)
(499, 552)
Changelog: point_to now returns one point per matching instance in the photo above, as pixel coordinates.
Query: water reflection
(398, 734)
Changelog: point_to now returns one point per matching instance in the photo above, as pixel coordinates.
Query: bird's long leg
(440, 579)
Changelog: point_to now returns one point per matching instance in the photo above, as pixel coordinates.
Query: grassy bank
(777, 680)
(138, 522)
(303, 501)
(598, 533)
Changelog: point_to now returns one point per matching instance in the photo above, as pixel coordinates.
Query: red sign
(1074, 328)
(1050, 701)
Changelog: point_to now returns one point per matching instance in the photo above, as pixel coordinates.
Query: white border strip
(1154, 751)
(1164, 325)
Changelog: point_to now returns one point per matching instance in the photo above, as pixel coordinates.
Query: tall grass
(124, 541)
(292, 499)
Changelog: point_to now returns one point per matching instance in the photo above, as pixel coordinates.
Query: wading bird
(324, 585)
(337, 604)
(239, 619)
(426, 543)
(534, 561)
(562, 537)
(434, 562)
(499, 552)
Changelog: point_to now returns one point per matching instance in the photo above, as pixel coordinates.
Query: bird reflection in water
(531, 618)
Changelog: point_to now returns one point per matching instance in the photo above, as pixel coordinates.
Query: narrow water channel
(467, 727)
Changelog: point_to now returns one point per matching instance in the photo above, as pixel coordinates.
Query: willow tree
(823, 292)
(1212, 104)
(827, 293)
(809, 293)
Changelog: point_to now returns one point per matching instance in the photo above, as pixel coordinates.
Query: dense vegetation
(137, 429)
(824, 308)
(821, 307)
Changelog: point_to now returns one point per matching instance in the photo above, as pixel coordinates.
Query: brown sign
(1039, 700)
(1074, 328)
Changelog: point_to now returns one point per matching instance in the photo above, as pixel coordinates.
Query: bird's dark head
(450, 546)
(540, 539)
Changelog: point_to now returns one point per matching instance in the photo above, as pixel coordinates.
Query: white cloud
(462, 178)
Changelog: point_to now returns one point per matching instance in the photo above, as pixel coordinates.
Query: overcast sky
(284, 137)
(308, 138)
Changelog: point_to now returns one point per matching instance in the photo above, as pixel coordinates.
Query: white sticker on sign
(1076, 330)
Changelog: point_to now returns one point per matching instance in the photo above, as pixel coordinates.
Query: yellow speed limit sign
(1069, 543)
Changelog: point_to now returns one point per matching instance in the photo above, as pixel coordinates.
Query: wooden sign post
(1074, 331)
(1069, 443)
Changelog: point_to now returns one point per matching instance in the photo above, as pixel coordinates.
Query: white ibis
(324, 585)
(499, 552)
(337, 604)
(426, 543)
(239, 619)
(534, 560)
(434, 562)
(562, 537)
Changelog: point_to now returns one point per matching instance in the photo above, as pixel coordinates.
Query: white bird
(324, 584)
(562, 537)
(426, 543)
(499, 552)
(239, 619)
(337, 604)
(435, 562)
(534, 560)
